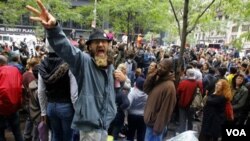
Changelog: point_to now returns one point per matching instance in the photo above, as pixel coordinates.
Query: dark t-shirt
(27, 78)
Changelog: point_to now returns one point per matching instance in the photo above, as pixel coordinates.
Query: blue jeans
(149, 136)
(13, 122)
(60, 116)
(76, 135)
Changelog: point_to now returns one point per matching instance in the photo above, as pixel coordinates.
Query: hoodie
(137, 100)
(160, 104)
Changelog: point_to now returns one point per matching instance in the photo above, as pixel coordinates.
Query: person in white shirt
(125, 38)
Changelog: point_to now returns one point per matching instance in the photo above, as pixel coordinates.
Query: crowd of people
(99, 90)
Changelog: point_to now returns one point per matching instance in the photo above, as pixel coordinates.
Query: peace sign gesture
(43, 16)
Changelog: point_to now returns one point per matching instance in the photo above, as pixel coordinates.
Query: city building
(227, 32)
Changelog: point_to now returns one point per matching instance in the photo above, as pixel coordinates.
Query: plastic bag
(186, 136)
(229, 111)
(110, 138)
(43, 131)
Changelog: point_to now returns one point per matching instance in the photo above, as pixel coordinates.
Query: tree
(135, 16)
(86, 15)
(188, 25)
(61, 9)
(12, 10)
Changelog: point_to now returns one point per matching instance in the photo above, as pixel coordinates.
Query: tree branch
(176, 18)
(198, 18)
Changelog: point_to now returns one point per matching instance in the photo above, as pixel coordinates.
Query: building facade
(225, 34)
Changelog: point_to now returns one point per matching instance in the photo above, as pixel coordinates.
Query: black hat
(139, 83)
(97, 34)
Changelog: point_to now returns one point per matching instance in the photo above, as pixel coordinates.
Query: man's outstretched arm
(43, 16)
(56, 37)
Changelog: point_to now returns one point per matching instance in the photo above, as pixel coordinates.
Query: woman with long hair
(214, 111)
(240, 95)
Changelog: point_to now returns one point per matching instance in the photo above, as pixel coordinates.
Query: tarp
(185, 136)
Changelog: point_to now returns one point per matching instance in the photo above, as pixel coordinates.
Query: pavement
(171, 130)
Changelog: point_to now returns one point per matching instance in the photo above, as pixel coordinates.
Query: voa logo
(236, 132)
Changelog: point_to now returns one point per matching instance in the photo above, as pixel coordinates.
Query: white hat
(190, 74)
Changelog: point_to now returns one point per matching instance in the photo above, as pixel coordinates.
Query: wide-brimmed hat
(190, 74)
(97, 34)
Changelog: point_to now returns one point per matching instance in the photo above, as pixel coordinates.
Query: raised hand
(119, 76)
(43, 16)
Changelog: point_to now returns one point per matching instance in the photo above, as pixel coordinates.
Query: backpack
(146, 58)
(34, 106)
(10, 90)
(198, 101)
(140, 56)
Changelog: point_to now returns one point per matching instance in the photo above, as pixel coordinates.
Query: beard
(101, 61)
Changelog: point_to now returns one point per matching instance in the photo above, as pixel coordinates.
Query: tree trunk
(183, 40)
(128, 31)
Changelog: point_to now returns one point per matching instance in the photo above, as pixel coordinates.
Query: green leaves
(9, 14)
(12, 11)
(144, 14)
(238, 43)
(135, 15)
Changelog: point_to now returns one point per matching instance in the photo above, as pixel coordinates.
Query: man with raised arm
(94, 72)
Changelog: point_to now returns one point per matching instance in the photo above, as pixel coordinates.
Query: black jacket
(54, 72)
(213, 115)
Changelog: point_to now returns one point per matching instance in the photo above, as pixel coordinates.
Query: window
(233, 37)
(245, 27)
(66, 24)
(215, 46)
(76, 25)
(25, 20)
(220, 17)
(6, 38)
(235, 28)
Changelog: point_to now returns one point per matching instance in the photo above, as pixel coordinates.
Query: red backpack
(10, 90)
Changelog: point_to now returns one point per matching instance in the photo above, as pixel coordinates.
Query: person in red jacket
(10, 99)
(185, 91)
